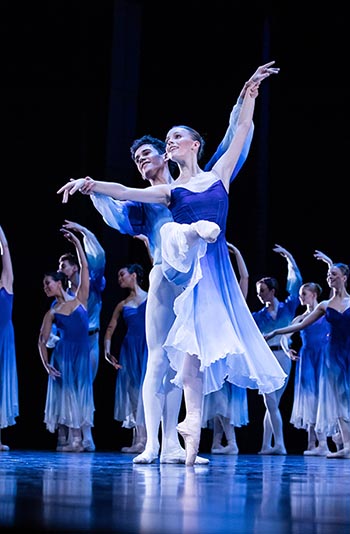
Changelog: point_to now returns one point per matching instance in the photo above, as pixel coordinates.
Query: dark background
(81, 79)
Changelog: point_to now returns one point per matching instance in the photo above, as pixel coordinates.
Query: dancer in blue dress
(133, 354)
(8, 367)
(214, 336)
(333, 411)
(308, 370)
(68, 263)
(69, 399)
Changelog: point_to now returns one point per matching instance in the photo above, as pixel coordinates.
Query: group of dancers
(201, 336)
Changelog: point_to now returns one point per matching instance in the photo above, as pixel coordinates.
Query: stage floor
(46, 491)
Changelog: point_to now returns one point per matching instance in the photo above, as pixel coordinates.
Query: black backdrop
(82, 79)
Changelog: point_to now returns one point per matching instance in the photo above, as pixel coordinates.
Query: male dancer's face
(149, 162)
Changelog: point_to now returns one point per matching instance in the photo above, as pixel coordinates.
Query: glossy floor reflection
(105, 492)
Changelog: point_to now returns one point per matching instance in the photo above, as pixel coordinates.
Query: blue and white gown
(334, 397)
(133, 355)
(9, 408)
(212, 320)
(69, 398)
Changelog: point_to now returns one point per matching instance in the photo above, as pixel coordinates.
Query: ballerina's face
(306, 296)
(336, 278)
(180, 143)
(52, 288)
(126, 279)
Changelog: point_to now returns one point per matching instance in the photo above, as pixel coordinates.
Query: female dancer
(333, 411)
(214, 336)
(69, 400)
(8, 367)
(133, 354)
(309, 366)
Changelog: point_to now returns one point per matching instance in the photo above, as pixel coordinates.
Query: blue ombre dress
(335, 381)
(309, 370)
(230, 402)
(133, 354)
(133, 218)
(8, 368)
(212, 320)
(69, 398)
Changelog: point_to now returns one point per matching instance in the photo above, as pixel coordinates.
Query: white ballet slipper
(138, 447)
(273, 451)
(89, 445)
(229, 449)
(179, 457)
(342, 453)
(317, 451)
(75, 446)
(146, 457)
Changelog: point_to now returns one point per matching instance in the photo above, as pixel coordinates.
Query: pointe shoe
(146, 457)
(207, 230)
(4, 448)
(138, 447)
(342, 453)
(317, 451)
(179, 457)
(229, 449)
(191, 439)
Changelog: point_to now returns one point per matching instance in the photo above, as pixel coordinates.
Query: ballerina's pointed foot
(191, 438)
(207, 230)
(4, 448)
(146, 457)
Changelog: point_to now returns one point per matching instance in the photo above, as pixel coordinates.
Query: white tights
(162, 402)
(161, 398)
(192, 384)
(273, 423)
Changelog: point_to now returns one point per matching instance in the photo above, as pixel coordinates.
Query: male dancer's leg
(161, 398)
(273, 423)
